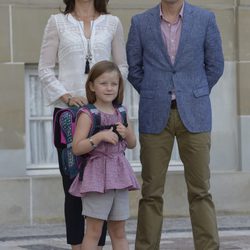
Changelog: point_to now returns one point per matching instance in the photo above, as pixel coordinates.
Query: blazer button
(174, 71)
(170, 92)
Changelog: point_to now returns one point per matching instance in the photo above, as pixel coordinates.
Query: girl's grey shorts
(111, 205)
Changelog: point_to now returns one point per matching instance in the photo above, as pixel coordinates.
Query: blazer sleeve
(135, 56)
(214, 60)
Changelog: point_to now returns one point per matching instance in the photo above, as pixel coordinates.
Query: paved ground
(234, 234)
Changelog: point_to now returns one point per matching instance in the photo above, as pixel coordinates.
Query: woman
(81, 36)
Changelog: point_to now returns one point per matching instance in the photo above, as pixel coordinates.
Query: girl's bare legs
(117, 234)
(76, 247)
(92, 235)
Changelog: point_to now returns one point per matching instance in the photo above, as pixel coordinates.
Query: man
(175, 58)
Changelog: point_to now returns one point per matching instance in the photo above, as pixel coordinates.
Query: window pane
(41, 143)
(38, 105)
(39, 124)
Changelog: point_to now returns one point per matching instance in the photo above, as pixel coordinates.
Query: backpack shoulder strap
(123, 113)
(96, 118)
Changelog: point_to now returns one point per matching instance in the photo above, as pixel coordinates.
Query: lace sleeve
(119, 51)
(52, 87)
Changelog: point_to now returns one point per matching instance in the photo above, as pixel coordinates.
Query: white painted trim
(11, 34)
(31, 202)
(13, 63)
(244, 141)
(30, 70)
(53, 169)
(27, 115)
(174, 166)
(244, 116)
(43, 172)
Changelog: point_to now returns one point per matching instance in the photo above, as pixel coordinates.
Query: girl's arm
(127, 134)
(82, 144)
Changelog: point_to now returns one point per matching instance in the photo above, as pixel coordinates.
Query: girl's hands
(122, 130)
(127, 134)
(109, 136)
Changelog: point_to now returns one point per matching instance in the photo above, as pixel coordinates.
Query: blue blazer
(198, 66)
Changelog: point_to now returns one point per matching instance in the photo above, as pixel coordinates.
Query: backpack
(65, 122)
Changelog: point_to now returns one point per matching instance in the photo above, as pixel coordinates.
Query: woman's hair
(97, 70)
(100, 6)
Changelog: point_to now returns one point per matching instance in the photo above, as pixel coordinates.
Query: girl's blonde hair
(97, 70)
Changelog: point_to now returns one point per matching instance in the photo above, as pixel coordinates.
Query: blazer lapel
(185, 30)
(155, 27)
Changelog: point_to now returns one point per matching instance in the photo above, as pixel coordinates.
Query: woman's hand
(77, 101)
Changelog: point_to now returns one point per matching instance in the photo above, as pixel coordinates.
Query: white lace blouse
(64, 42)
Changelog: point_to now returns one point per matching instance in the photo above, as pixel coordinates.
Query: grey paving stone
(176, 235)
(42, 247)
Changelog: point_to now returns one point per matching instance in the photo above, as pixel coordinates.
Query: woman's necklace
(88, 56)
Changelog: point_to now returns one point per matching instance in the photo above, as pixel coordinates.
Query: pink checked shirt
(171, 33)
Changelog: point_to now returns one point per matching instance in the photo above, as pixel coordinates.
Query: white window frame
(34, 169)
(52, 168)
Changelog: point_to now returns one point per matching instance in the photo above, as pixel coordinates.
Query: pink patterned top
(107, 167)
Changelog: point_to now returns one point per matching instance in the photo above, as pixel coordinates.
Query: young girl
(107, 176)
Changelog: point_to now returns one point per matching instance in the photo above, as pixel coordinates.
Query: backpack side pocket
(68, 158)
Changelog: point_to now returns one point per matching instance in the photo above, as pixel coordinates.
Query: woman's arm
(53, 89)
(119, 50)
